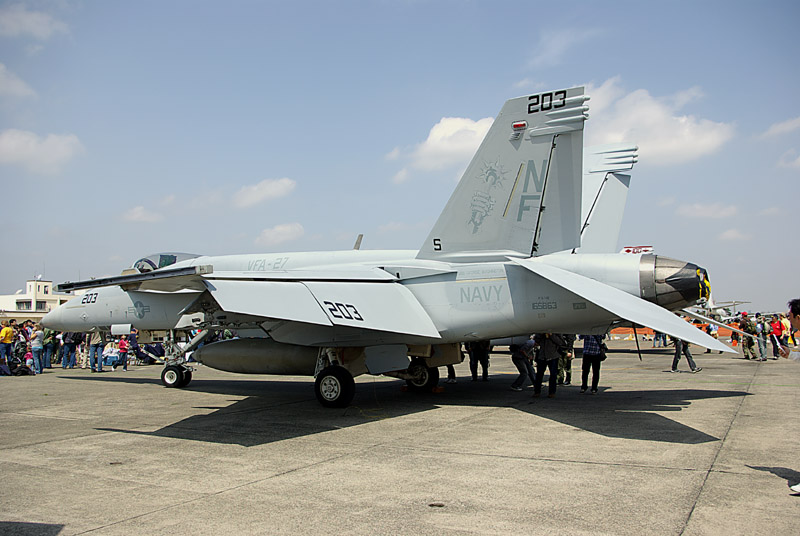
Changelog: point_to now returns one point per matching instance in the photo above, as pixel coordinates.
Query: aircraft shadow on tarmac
(286, 409)
(18, 528)
(791, 476)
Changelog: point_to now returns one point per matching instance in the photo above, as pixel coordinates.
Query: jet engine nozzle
(671, 283)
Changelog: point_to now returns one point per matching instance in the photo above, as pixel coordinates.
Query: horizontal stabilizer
(623, 305)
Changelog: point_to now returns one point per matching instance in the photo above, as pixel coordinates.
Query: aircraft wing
(165, 279)
(622, 304)
(357, 304)
(193, 277)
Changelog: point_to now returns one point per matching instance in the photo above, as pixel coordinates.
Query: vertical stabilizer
(521, 194)
(605, 193)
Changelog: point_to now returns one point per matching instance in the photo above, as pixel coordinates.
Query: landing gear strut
(176, 373)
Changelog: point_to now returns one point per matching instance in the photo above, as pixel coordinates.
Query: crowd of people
(762, 332)
(30, 349)
(551, 353)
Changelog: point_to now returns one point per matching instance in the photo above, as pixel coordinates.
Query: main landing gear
(176, 376)
(423, 377)
(335, 387)
(175, 373)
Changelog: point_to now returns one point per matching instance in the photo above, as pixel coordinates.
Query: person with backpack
(550, 348)
(71, 342)
(49, 346)
(748, 344)
(522, 356)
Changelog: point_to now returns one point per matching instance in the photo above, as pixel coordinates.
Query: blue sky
(209, 127)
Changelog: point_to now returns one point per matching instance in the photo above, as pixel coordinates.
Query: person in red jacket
(123, 354)
(775, 337)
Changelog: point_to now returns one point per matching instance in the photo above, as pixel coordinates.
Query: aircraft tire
(187, 377)
(173, 376)
(335, 387)
(426, 378)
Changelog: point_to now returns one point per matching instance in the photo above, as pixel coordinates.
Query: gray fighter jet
(504, 259)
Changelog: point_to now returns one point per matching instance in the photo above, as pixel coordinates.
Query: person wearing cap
(748, 344)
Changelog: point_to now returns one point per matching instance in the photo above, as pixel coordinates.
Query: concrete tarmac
(651, 453)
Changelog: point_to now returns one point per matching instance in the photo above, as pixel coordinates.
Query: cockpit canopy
(160, 260)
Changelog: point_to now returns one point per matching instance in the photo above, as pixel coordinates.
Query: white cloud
(450, 144)
(666, 201)
(279, 234)
(39, 155)
(716, 211)
(265, 190)
(771, 211)
(16, 20)
(789, 159)
(663, 135)
(784, 127)
(400, 177)
(553, 45)
(735, 235)
(140, 214)
(13, 86)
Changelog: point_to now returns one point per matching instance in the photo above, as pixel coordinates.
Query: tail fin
(605, 192)
(531, 159)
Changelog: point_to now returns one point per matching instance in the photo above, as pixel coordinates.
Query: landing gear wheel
(173, 376)
(187, 377)
(425, 378)
(335, 387)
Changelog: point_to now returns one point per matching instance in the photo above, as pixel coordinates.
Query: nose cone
(52, 319)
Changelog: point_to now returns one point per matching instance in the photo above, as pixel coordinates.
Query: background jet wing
(717, 323)
(623, 305)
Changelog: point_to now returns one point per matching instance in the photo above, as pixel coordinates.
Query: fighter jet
(502, 260)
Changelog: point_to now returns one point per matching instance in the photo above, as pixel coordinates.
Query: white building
(36, 301)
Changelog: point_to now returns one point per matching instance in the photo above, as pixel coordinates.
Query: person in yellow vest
(6, 340)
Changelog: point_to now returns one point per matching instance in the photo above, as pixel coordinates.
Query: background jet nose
(53, 318)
